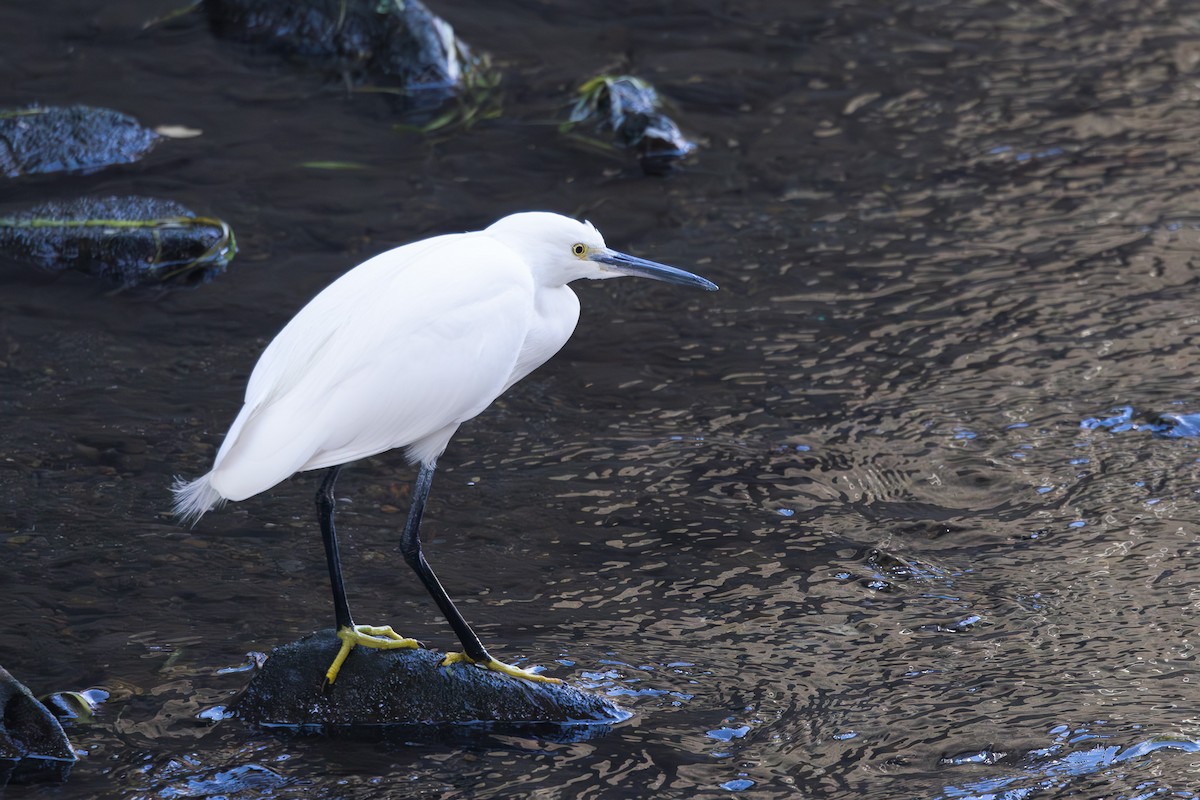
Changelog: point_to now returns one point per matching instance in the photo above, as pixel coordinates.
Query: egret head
(559, 250)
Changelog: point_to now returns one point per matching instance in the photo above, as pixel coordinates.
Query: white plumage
(398, 352)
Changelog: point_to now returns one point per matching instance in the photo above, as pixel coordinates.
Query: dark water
(835, 531)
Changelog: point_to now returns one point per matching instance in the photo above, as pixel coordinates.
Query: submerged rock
(1165, 424)
(402, 44)
(1168, 425)
(75, 707)
(629, 111)
(1178, 425)
(52, 139)
(33, 747)
(129, 241)
(406, 687)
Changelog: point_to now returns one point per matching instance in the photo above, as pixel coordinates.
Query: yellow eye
(580, 250)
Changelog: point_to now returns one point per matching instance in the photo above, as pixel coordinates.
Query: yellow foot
(498, 666)
(380, 637)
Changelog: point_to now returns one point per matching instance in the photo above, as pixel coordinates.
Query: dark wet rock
(33, 747)
(129, 241)
(628, 110)
(389, 687)
(404, 45)
(75, 138)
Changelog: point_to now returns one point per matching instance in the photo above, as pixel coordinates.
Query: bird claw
(377, 637)
(381, 637)
(499, 666)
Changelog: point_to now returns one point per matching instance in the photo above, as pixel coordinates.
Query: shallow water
(835, 531)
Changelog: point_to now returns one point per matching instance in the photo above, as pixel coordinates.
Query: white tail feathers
(193, 498)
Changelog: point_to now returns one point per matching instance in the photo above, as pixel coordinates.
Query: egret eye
(580, 250)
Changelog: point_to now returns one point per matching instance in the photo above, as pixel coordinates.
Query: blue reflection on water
(728, 734)
(737, 785)
(1051, 768)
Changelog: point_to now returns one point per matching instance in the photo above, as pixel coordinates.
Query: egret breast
(556, 311)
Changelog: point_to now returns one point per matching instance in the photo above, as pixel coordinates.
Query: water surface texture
(835, 531)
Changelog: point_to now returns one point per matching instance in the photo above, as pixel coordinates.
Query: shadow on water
(838, 530)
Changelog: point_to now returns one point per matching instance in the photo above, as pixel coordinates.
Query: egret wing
(355, 296)
(399, 351)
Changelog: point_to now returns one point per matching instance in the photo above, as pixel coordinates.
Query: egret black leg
(380, 637)
(410, 547)
(325, 506)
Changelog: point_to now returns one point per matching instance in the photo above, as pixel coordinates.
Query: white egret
(399, 352)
